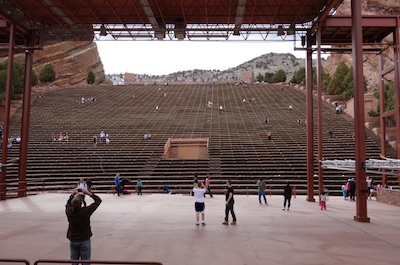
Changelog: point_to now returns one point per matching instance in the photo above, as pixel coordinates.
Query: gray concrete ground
(161, 227)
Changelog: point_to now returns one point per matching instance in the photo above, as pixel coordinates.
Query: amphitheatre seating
(239, 147)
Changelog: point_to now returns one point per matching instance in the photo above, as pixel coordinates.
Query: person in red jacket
(79, 230)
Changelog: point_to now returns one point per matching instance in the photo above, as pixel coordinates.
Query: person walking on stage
(208, 186)
(139, 185)
(117, 182)
(261, 191)
(287, 193)
(229, 202)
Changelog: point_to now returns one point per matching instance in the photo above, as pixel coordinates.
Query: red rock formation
(71, 61)
(370, 7)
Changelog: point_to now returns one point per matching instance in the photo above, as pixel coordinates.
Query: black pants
(352, 195)
(229, 208)
(209, 191)
(139, 192)
(288, 201)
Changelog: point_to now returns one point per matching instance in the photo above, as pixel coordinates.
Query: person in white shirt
(102, 135)
(80, 188)
(199, 190)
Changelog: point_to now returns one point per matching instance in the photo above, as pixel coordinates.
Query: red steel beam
(396, 57)
(324, 14)
(384, 72)
(26, 109)
(310, 123)
(381, 117)
(319, 113)
(118, 17)
(276, 12)
(6, 124)
(3, 22)
(358, 78)
(388, 113)
(366, 21)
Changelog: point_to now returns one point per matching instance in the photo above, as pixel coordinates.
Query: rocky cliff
(71, 61)
(370, 7)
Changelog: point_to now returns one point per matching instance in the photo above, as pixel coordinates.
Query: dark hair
(261, 179)
(229, 181)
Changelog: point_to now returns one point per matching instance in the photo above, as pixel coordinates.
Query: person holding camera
(79, 230)
(199, 190)
(82, 186)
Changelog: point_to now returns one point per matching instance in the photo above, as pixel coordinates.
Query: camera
(79, 190)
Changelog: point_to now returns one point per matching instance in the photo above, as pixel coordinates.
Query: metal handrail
(14, 261)
(47, 261)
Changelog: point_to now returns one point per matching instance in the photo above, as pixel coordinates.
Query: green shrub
(260, 77)
(3, 78)
(373, 113)
(17, 79)
(279, 76)
(268, 77)
(91, 77)
(299, 76)
(336, 85)
(34, 78)
(47, 74)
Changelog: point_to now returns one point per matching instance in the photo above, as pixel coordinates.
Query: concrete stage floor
(161, 227)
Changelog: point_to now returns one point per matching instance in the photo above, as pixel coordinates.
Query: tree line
(47, 75)
(340, 83)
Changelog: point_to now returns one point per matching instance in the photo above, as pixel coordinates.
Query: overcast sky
(164, 57)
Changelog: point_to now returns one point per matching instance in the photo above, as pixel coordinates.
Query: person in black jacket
(287, 193)
(79, 230)
(352, 190)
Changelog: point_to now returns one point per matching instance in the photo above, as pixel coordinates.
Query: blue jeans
(259, 197)
(80, 250)
(344, 192)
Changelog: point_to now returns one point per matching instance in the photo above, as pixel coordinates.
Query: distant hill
(271, 62)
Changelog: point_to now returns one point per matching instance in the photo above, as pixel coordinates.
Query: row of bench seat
(239, 147)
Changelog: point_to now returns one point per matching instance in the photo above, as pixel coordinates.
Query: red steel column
(6, 125)
(382, 110)
(358, 77)
(26, 108)
(319, 114)
(396, 57)
(310, 123)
